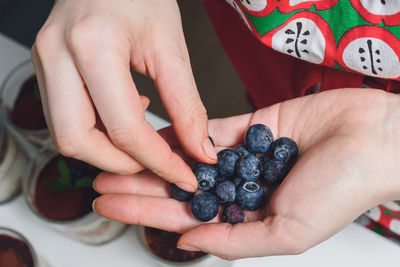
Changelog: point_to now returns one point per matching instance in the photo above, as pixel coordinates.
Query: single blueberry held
(284, 149)
(258, 138)
(206, 175)
(274, 171)
(204, 206)
(242, 150)
(249, 168)
(180, 194)
(227, 160)
(236, 180)
(232, 213)
(250, 195)
(225, 191)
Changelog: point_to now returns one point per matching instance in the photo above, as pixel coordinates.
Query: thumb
(176, 85)
(273, 236)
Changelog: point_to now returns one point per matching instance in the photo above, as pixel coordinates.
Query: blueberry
(284, 149)
(180, 194)
(204, 206)
(227, 160)
(225, 191)
(250, 195)
(242, 150)
(232, 214)
(206, 175)
(274, 171)
(236, 180)
(249, 168)
(258, 138)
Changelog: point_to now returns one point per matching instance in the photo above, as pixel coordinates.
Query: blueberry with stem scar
(249, 168)
(206, 175)
(250, 195)
(284, 149)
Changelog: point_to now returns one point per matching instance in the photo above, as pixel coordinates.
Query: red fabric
(269, 76)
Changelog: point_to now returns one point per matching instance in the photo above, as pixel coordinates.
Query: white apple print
(394, 226)
(301, 38)
(373, 57)
(391, 205)
(381, 7)
(374, 213)
(254, 5)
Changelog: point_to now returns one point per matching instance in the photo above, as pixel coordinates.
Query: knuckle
(68, 146)
(122, 137)
(84, 35)
(44, 38)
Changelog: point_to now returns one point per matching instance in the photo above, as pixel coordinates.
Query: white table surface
(353, 246)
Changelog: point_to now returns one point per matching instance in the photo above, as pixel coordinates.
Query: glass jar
(89, 228)
(205, 261)
(13, 161)
(37, 261)
(19, 107)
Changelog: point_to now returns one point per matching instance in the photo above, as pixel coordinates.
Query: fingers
(273, 236)
(177, 88)
(144, 183)
(109, 81)
(229, 132)
(163, 213)
(70, 113)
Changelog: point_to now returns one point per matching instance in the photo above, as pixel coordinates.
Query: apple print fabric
(361, 36)
(357, 35)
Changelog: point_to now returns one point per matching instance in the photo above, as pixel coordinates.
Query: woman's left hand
(349, 142)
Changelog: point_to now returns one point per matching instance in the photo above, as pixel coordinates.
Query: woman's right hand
(82, 57)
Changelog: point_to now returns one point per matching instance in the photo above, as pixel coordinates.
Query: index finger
(118, 103)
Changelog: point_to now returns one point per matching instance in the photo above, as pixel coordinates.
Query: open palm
(347, 149)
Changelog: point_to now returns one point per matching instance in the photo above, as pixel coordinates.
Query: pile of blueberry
(233, 180)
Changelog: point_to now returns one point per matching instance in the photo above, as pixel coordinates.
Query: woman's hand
(82, 57)
(348, 141)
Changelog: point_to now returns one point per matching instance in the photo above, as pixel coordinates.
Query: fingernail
(93, 186)
(209, 149)
(186, 187)
(188, 248)
(93, 205)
